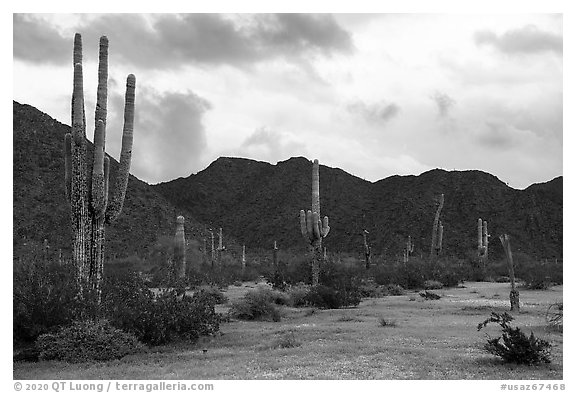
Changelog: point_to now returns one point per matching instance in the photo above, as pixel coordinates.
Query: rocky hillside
(257, 203)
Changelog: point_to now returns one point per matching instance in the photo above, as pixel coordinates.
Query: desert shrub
(44, 298)
(427, 295)
(383, 322)
(433, 284)
(157, 319)
(394, 290)
(257, 305)
(410, 275)
(297, 294)
(286, 340)
(555, 316)
(291, 270)
(322, 296)
(277, 297)
(450, 271)
(515, 346)
(214, 292)
(370, 289)
(87, 340)
(538, 275)
(343, 279)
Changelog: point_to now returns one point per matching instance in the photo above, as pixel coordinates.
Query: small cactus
(311, 225)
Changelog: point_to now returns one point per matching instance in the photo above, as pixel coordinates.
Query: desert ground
(389, 338)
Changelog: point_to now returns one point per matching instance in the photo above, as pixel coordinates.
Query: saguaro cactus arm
(99, 180)
(325, 227)
(312, 227)
(117, 200)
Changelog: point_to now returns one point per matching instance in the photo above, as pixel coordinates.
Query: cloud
(526, 40)
(270, 145)
(169, 136)
(304, 32)
(174, 40)
(381, 112)
(36, 41)
(501, 136)
(444, 103)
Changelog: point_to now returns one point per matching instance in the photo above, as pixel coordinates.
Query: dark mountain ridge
(257, 203)
(40, 209)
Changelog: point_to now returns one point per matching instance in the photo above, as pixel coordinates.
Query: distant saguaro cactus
(88, 194)
(482, 239)
(311, 225)
(213, 253)
(243, 257)
(220, 249)
(514, 294)
(275, 256)
(437, 231)
(367, 251)
(408, 250)
(180, 249)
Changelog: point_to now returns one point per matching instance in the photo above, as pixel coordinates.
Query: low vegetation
(514, 346)
(87, 341)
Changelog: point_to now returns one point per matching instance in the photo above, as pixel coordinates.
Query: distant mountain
(41, 211)
(257, 203)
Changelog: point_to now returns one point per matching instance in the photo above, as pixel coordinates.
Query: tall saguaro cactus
(180, 248)
(312, 227)
(86, 192)
(514, 294)
(437, 231)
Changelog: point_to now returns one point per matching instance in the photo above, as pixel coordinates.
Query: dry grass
(433, 340)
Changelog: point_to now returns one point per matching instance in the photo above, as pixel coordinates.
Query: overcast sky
(374, 94)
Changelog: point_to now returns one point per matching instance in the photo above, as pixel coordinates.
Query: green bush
(515, 346)
(86, 341)
(383, 322)
(286, 340)
(394, 290)
(433, 284)
(257, 305)
(372, 290)
(214, 292)
(322, 296)
(44, 298)
(158, 318)
(297, 295)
